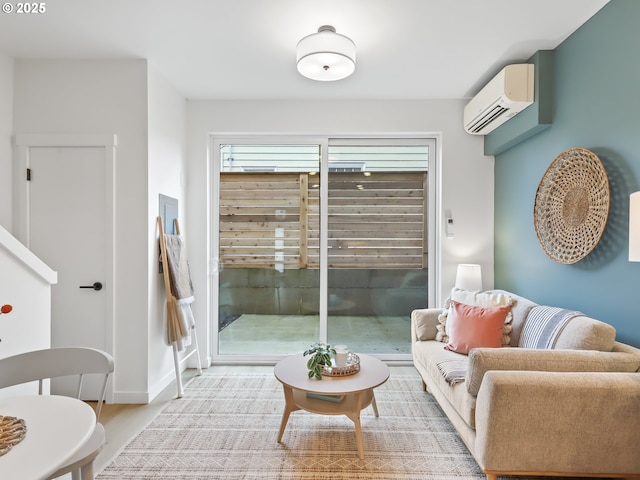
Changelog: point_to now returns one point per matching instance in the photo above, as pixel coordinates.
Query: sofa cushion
(423, 323)
(427, 356)
(553, 327)
(477, 299)
(482, 360)
(624, 348)
(472, 327)
(585, 333)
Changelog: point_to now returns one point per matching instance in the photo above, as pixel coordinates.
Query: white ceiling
(245, 49)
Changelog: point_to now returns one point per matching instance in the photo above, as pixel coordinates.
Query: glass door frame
(433, 220)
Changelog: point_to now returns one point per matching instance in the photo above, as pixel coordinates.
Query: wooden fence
(271, 220)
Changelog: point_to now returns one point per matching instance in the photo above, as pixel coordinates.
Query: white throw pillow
(476, 299)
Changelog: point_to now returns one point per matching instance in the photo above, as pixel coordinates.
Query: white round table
(355, 392)
(56, 428)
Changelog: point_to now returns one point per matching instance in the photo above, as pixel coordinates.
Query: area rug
(226, 424)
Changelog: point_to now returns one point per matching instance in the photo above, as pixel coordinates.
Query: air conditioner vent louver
(506, 95)
(485, 120)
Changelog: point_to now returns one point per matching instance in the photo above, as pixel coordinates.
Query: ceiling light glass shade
(326, 55)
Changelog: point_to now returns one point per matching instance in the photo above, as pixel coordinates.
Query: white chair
(62, 362)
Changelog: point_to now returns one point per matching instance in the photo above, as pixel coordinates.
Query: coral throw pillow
(473, 327)
(477, 299)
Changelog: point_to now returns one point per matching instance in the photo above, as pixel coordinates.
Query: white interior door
(67, 231)
(65, 214)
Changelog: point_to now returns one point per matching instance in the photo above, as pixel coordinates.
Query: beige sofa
(569, 409)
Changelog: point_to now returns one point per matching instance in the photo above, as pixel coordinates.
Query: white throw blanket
(179, 321)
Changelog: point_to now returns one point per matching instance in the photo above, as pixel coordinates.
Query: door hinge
(28, 174)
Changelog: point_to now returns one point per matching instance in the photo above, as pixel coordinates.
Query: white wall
(25, 284)
(167, 159)
(108, 97)
(6, 129)
(466, 174)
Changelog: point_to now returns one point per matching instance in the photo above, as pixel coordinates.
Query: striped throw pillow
(544, 325)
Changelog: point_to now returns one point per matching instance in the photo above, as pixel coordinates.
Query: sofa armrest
(482, 360)
(424, 324)
(559, 422)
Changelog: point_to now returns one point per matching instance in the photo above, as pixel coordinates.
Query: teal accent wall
(597, 106)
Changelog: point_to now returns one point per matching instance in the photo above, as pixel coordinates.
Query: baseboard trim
(144, 398)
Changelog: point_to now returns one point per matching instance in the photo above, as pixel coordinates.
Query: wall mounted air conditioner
(506, 95)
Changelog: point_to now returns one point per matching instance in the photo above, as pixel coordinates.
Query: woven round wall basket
(572, 205)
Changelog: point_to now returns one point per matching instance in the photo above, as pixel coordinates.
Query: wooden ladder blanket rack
(171, 307)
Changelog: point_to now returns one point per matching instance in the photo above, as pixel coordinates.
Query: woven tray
(572, 206)
(12, 432)
(352, 367)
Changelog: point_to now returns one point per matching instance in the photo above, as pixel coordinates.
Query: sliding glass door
(377, 242)
(321, 240)
(268, 291)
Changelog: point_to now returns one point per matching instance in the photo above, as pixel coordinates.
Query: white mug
(342, 352)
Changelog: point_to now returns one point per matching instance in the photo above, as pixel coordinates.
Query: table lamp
(469, 277)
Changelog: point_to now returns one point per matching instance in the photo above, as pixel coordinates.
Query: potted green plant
(321, 356)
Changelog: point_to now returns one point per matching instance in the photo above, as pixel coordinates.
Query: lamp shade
(634, 227)
(469, 277)
(326, 55)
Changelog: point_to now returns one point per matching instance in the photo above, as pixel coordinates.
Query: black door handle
(95, 286)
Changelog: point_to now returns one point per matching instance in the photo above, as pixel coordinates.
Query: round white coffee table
(354, 392)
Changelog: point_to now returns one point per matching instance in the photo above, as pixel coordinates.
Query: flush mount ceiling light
(326, 55)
